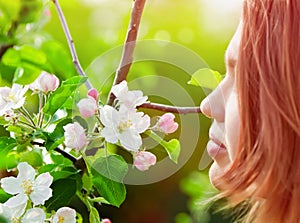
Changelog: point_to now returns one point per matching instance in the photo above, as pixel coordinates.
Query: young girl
(255, 136)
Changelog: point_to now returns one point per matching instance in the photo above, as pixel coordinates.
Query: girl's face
(222, 106)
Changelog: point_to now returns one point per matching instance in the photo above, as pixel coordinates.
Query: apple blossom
(45, 83)
(106, 220)
(143, 160)
(87, 107)
(166, 123)
(65, 215)
(12, 98)
(129, 98)
(34, 215)
(26, 186)
(93, 93)
(124, 125)
(14, 208)
(75, 137)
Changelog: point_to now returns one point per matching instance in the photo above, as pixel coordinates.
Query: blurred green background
(176, 38)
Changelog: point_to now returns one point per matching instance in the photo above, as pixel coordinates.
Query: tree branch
(70, 42)
(172, 109)
(128, 50)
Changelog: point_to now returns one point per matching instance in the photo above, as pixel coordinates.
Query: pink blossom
(143, 160)
(75, 137)
(105, 220)
(45, 82)
(93, 93)
(87, 107)
(166, 123)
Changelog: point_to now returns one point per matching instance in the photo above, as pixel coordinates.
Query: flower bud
(93, 93)
(87, 107)
(65, 214)
(45, 82)
(105, 220)
(166, 123)
(143, 160)
(75, 137)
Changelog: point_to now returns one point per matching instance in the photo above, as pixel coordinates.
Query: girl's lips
(214, 148)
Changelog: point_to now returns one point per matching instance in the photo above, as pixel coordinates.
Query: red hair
(268, 84)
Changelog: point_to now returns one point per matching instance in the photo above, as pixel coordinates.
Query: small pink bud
(87, 107)
(105, 220)
(166, 123)
(93, 93)
(75, 137)
(143, 160)
(45, 82)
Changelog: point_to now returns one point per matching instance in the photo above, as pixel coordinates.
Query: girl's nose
(213, 105)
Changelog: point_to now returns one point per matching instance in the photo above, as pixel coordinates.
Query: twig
(172, 109)
(70, 42)
(127, 54)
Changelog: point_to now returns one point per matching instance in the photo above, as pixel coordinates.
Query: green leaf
(87, 182)
(33, 158)
(59, 59)
(173, 149)
(28, 61)
(108, 174)
(26, 74)
(58, 98)
(30, 11)
(18, 56)
(62, 174)
(10, 8)
(4, 196)
(206, 78)
(6, 145)
(63, 191)
(94, 216)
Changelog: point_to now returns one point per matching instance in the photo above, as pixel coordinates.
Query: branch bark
(70, 42)
(172, 109)
(130, 42)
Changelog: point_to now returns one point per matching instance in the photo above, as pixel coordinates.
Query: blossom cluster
(123, 123)
(27, 189)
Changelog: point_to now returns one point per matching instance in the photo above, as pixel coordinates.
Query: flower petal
(40, 194)
(17, 205)
(109, 116)
(142, 124)
(120, 89)
(130, 140)
(45, 179)
(110, 135)
(11, 185)
(34, 215)
(68, 215)
(26, 172)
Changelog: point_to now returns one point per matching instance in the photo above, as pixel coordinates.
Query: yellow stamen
(125, 125)
(61, 219)
(27, 186)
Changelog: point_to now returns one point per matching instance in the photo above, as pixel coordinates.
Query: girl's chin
(218, 169)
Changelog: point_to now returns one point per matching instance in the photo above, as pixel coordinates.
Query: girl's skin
(222, 106)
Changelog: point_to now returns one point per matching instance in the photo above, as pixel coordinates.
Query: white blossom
(124, 125)
(131, 99)
(14, 208)
(12, 98)
(75, 137)
(34, 215)
(25, 186)
(65, 215)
